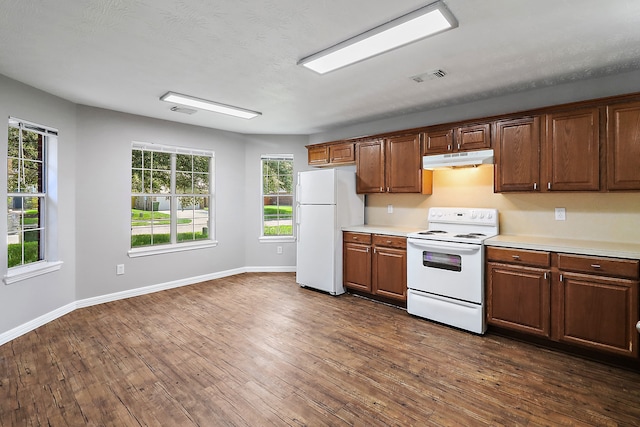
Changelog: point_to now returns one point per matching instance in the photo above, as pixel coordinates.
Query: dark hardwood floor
(257, 350)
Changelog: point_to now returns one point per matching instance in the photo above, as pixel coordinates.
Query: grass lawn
(142, 218)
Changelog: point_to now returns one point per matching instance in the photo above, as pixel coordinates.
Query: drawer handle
(355, 238)
(595, 265)
(516, 257)
(388, 241)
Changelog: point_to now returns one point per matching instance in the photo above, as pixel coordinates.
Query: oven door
(453, 270)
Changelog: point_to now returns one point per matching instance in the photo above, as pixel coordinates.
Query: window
(26, 193)
(277, 196)
(171, 196)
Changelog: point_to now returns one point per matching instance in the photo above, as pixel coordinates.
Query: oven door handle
(439, 246)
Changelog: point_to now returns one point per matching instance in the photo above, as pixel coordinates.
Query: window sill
(18, 274)
(166, 249)
(277, 239)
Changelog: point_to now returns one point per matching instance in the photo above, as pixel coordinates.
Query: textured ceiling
(124, 54)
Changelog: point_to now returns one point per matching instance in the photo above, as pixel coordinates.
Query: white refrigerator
(326, 202)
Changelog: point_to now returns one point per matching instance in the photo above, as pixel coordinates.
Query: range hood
(461, 159)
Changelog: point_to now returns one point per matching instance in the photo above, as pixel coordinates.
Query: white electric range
(445, 267)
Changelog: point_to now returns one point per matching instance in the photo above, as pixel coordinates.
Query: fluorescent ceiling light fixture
(203, 104)
(424, 22)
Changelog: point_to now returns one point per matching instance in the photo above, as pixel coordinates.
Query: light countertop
(574, 246)
(382, 229)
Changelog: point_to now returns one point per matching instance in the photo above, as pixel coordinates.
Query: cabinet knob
(548, 186)
(535, 185)
(638, 327)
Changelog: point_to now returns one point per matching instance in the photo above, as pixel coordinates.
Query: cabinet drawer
(349, 236)
(598, 265)
(519, 256)
(390, 241)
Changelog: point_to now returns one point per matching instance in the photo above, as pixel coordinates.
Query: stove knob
(473, 214)
(481, 215)
(490, 215)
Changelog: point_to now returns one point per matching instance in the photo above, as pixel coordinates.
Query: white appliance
(445, 267)
(459, 159)
(326, 202)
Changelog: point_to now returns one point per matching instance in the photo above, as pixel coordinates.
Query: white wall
(23, 301)
(103, 202)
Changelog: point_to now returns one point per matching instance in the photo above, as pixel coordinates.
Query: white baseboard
(29, 326)
(36, 323)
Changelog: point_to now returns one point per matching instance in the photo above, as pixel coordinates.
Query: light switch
(389, 208)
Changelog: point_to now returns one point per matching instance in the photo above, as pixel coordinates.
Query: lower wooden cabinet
(519, 298)
(586, 301)
(376, 264)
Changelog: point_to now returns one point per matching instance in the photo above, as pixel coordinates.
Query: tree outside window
(277, 195)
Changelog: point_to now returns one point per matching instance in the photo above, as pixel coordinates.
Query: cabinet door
(438, 141)
(473, 137)
(623, 146)
(517, 155)
(402, 164)
(370, 167)
(318, 155)
(518, 298)
(357, 267)
(342, 153)
(572, 149)
(390, 272)
(599, 313)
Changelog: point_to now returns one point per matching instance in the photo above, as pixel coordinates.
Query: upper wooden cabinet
(623, 146)
(572, 150)
(517, 154)
(370, 166)
(441, 140)
(318, 155)
(342, 153)
(390, 165)
(331, 154)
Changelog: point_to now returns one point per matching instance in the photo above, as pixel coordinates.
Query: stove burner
(432, 232)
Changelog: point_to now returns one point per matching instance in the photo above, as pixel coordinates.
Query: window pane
(161, 182)
(31, 145)
(32, 177)
(14, 142)
(201, 183)
(12, 175)
(162, 161)
(193, 218)
(150, 221)
(201, 164)
(184, 162)
(146, 159)
(136, 158)
(184, 183)
(136, 181)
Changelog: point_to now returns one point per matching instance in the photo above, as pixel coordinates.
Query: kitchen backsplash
(590, 216)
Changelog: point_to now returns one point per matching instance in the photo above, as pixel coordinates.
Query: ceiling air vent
(183, 110)
(429, 75)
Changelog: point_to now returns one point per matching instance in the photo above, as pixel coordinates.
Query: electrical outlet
(279, 250)
(120, 269)
(390, 209)
(561, 214)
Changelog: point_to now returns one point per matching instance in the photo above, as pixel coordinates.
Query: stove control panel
(480, 216)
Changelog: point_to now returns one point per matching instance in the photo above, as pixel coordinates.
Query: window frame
(284, 237)
(173, 195)
(48, 194)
